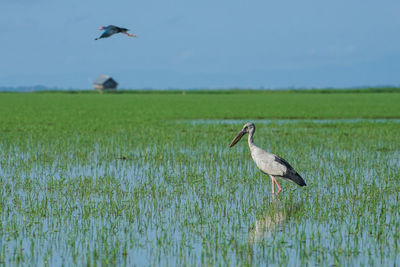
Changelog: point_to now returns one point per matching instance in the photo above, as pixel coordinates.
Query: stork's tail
(296, 178)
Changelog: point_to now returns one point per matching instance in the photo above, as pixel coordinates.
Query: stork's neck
(250, 138)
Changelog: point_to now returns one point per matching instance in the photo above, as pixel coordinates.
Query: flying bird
(111, 30)
(269, 163)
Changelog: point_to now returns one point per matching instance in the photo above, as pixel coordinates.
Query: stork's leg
(129, 34)
(279, 187)
(273, 187)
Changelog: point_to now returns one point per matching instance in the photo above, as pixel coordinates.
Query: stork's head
(247, 128)
(101, 28)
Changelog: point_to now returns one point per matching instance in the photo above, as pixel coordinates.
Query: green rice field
(139, 179)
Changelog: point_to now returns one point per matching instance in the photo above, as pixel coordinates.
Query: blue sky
(201, 44)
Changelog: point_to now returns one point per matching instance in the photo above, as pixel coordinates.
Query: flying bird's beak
(237, 138)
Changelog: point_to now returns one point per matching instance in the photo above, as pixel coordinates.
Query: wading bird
(267, 162)
(111, 29)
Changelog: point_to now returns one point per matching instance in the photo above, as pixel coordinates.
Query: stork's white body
(265, 161)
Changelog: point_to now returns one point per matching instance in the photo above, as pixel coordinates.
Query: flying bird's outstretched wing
(106, 34)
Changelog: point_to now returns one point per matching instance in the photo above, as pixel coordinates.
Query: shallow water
(193, 201)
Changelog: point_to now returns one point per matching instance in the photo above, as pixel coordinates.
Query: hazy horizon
(192, 45)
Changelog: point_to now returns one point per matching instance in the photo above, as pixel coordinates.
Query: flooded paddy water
(184, 198)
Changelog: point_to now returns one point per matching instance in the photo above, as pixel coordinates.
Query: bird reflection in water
(273, 220)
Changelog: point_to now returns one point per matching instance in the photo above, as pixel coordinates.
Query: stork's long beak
(237, 138)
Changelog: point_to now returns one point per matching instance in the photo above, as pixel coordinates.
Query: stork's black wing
(291, 173)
